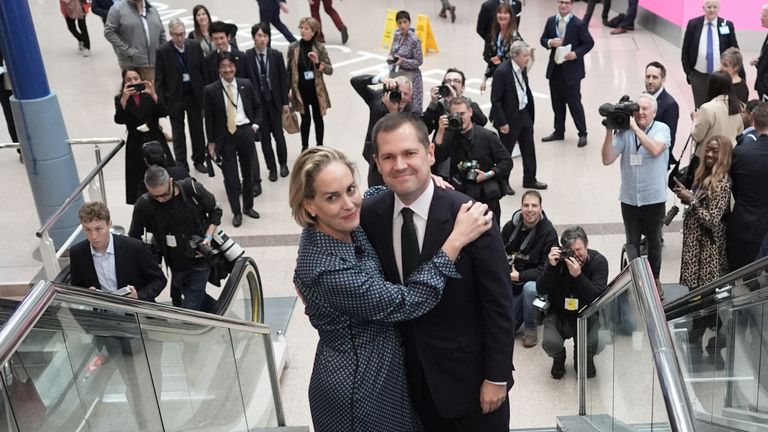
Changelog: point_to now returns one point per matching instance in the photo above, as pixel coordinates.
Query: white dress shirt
(420, 209)
(104, 263)
(701, 59)
(240, 118)
(522, 90)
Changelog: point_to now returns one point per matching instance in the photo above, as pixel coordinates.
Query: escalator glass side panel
(195, 376)
(7, 420)
(255, 384)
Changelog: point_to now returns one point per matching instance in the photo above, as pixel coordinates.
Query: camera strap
(637, 141)
(525, 242)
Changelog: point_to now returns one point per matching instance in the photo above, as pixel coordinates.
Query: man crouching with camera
(574, 277)
(478, 161)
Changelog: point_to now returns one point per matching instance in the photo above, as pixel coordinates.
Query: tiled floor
(581, 191)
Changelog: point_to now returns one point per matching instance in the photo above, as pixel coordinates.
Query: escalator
(79, 360)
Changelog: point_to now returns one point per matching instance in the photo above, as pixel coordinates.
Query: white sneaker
(86, 52)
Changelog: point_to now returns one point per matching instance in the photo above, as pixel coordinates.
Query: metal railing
(48, 251)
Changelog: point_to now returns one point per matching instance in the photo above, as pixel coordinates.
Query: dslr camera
(617, 115)
(208, 251)
(444, 91)
(566, 253)
(455, 123)
(466, 172)
(394, 95)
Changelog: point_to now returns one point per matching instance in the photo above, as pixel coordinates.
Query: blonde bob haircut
(312, 23)
(302, 182)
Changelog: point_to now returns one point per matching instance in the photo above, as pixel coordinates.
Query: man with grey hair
(512, 110)
(180, 81)
(644, 157)
(573, 278)
(134, 29)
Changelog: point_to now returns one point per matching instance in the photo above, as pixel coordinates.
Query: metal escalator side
(76, 360)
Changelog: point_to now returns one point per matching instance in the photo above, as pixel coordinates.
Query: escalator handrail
(709, 289)
(232, 285)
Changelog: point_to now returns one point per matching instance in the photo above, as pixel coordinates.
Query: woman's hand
(313, 57)
(685, 195)
(149, 88)
(471, 221)
(495, 60)
(128, 90)
(442, 184)
(482, 85)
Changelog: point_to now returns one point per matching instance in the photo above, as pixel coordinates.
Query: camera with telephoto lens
(228, 247)
(211, 253)
(617, 115)
(444, 91)
(394, 95)
(455, 123)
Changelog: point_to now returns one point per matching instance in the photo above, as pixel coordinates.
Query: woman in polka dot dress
(358, 379)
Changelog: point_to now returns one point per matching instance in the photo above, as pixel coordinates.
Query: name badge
(635, 160)
(724, 30)
(185, 77)
(571, 304)
(309, 75)
(170, 241)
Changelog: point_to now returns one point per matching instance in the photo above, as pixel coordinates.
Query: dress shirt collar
(714, 21)
(260, 52)
(110, 247)
(656, 95)
(224, 83)
(183, 47)
(420, 206)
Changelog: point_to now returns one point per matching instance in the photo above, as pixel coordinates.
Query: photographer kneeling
(478, 160)
(574, 277)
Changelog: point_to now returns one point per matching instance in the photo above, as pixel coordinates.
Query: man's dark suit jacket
(487, 16)
(101, 8)
(134, 265)
(216, 111)
(690, 50)
(211, 65)
(577, 35)
(505, 106)
(278, 77)
(668, 112)
(485, 148)
(168, 72)
(469, 336)
(761, 80)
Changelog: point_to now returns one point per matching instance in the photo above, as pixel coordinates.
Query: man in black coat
(748, 222)
(266, 70)
(108, 262)
(512, 110)
(101, 8)
(180, 80)
(761, 63)
(487, 15)
(459, 354)
(232, 116)
(706, 37)
(219, 32)
(453, 81)
(667, 111)
(566, 70)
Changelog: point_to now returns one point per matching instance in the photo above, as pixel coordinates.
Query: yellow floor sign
(423, 32)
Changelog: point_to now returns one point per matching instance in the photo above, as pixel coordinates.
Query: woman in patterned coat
(405, 57)
(358, 379)
(704, 259)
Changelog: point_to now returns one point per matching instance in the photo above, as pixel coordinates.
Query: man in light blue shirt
(644, 157)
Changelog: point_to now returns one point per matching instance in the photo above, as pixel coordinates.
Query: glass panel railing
(242, 297)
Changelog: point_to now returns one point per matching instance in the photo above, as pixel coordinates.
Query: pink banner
(745, 14)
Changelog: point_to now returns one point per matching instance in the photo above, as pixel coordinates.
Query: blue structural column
(47, 155)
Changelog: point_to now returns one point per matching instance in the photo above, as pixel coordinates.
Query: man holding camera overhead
(478, 160)
(573, 278)
(642, 144)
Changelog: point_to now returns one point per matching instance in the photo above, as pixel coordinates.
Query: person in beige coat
(721, 115)
(308, 61)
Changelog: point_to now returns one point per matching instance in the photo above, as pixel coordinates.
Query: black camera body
(444, 91)
(455, 123)
(566, 253)
(393, 60)
(617, 115)
(467, 170)
(394, 95)
(209, 252)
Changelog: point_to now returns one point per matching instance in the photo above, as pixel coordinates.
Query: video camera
(617, 115)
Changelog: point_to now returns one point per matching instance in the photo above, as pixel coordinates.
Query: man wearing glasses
(178, 214)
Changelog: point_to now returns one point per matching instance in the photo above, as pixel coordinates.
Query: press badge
(309, 75)
(635, 160)
(571, 304)
(170, 240)
(185, 77)
(724, 30)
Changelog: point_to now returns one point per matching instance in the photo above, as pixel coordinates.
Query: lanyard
(500, 45)
(180, 56)
(237, 98)
(557, 26)
(637, 142)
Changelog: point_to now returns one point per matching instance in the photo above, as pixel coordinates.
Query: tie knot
(407, 214)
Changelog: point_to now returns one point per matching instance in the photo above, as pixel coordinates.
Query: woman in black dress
(137, 108)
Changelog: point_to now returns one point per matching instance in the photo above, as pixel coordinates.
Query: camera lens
(395, 95)
(444, 91)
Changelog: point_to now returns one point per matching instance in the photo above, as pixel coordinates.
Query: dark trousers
(272, 123)
(559, 327)
(564, 94)
(591, 10)
(699, 82)
(271, 16)
(80, 32)
(239, 146)
(5, 101)
(645, 221)
(527, 148)
(310, 101)
(314, 10)
(629, 18)
(192, 283)
(196, 135)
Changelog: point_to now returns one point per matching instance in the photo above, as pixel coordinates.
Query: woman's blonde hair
(313, 25)
(707, 180)
(302, 182)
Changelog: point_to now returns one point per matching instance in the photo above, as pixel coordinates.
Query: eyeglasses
(165, 195)
(452, 80)
(565, 2)
(180, 34)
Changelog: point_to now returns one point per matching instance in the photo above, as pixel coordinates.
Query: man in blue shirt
(644, 158)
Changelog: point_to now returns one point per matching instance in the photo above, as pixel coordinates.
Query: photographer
(573, 278)
(394, 95)
(443, 94)
(179, 214)
(644, 158)
(478, 160)
(528, 238)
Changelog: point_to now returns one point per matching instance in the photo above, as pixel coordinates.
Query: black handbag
(683, 175)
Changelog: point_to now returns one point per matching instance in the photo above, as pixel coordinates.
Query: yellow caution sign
(425, 35)
(389, 29)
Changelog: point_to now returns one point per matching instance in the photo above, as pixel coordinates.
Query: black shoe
(506, 189)
(176, 302)
(558, 366)
(272, 175)
(591, 371)
(284, 171)
(552, 137)
(344, 35)
(252, 213)
(200, 167)
(605, 22)
(535, 185)
(256, 189)
(452, 11)
(582, 141)
(237, 220)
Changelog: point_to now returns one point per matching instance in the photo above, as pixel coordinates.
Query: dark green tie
(409, 243)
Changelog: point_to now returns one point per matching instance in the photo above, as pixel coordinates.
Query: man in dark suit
(668, 112)
(512, 110)
(761, 63)
(220, 39)
(568, 40)
(459, 370)
(108, 262)
(232, 116)
(747, 223)
(101, 8)
(269, 12)
(266, 70)
(487, 15)
(180, 80)
(706, 37)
